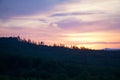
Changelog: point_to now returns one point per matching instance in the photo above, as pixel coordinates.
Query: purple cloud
(76, 25)
(89, 26)
(100, 43)
(9, 8)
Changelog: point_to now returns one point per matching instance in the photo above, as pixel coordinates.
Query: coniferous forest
(25, 60)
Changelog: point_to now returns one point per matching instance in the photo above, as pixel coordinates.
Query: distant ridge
(111, 49)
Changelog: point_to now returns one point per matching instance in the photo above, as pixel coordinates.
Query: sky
(91, 23)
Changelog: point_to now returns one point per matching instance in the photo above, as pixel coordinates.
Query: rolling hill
(24, 60)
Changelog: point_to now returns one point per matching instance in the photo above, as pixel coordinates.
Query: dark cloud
(59, 14)
(43, 20)
(76, 13)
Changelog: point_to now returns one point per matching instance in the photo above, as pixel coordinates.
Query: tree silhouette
(41, 43)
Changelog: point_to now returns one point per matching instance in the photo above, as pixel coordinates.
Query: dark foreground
(21, 60)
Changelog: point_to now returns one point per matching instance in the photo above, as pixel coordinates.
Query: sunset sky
(90, 23)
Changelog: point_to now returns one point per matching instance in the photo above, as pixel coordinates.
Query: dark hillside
(23, 60)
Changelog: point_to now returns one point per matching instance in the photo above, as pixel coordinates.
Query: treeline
(54, 45)
(24, 60)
